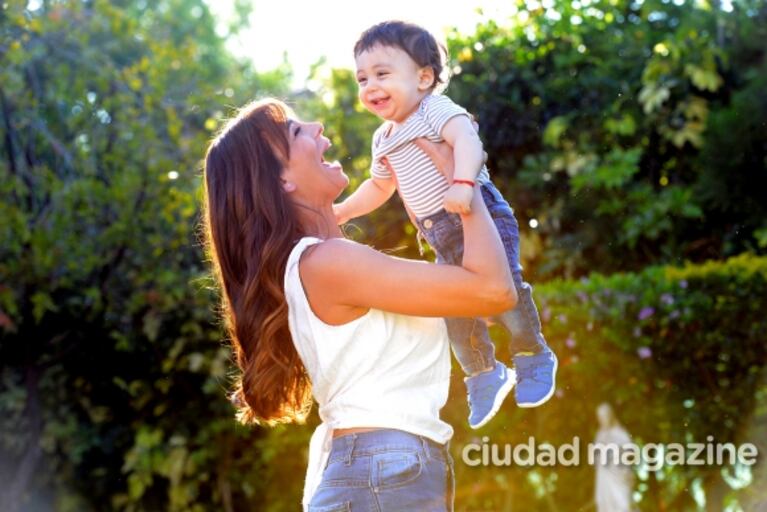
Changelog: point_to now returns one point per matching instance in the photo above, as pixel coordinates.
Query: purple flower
(683, 284)
(637, 332)
(646, 313)
(546, 314)
(644, 352)
(562, 318)
(674, 314)
(583, 297)
(570, 342)
(667, 299)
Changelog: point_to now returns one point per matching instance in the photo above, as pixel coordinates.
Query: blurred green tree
(602, 120)
(632, 131)
(109, 348)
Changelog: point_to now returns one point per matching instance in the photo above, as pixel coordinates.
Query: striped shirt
(421, 185)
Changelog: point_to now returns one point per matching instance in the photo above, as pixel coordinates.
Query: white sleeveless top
(379, 370)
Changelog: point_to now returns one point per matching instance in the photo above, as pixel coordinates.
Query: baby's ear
(426, 78)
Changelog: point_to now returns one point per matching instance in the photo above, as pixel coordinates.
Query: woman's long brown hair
(249, 228)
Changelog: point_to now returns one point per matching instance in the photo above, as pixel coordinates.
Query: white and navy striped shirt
(422, 187)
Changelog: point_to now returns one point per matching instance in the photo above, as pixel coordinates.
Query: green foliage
(110, 350)
(609, 122)
(632, 136)
(680, 354)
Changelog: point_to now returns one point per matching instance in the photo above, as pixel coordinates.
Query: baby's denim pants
(469, 336)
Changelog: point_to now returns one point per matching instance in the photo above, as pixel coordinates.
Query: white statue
(614, 482)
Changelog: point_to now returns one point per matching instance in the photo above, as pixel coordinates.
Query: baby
(398, 68)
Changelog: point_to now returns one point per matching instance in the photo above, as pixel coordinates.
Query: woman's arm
(343, 279)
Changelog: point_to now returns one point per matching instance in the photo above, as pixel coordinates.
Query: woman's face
(307, 175)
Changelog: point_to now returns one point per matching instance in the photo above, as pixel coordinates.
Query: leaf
(704, 79)
(623, 126)
(613, 170)
(41, 304)
(652, 96)
(554, 130)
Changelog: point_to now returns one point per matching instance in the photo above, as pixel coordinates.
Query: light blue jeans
(469, 337)
(386, 470)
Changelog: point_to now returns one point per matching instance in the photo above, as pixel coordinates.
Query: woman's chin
(342, 182)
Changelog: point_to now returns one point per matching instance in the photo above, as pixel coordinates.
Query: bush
(678, 352)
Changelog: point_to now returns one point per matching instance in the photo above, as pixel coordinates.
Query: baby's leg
(522, 321)
(469, 338)
(534, 362)
(488, 381)
(471, 344)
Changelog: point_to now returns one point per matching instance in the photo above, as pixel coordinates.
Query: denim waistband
(386, 440)
(490, 194)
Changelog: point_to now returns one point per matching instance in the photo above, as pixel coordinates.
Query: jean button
(428, 223)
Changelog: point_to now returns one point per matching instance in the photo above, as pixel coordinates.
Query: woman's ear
(425, 78)
(288, 186)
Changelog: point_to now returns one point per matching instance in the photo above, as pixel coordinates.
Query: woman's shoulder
(336, 261)
(302, 245)
(330, 254)
(327, 272)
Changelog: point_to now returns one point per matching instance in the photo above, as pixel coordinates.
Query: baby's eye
(362, 81)
(382, 73)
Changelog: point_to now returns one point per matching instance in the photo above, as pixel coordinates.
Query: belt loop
(426, 447)
(419, 239)
(350, 439)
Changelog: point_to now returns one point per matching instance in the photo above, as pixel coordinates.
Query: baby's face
(391, 85)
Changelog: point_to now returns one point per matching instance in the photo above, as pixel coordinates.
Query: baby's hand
(458, 198)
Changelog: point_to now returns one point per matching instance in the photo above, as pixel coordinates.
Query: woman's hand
(441, 153)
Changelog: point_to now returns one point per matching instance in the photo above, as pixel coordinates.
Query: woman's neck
(319, 222)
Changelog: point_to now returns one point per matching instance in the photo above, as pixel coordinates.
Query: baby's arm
(370, 195)
(469, 157)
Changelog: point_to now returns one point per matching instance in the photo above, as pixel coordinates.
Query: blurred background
(630, 137)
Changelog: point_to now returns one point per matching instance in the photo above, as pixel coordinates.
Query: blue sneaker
(486, 393)
(536, 378)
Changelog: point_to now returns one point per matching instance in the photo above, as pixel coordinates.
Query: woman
(310, 313)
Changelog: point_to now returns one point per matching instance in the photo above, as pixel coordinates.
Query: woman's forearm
(483, 252)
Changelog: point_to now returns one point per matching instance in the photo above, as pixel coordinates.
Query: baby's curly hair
(416, 41)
